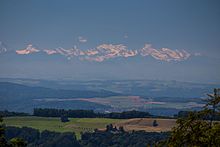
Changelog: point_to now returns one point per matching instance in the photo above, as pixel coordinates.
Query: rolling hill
(19, 97)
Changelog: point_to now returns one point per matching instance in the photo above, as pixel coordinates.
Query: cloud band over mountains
(109, 51)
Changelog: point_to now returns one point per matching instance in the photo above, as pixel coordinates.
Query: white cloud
(82, 39)
(28, 50)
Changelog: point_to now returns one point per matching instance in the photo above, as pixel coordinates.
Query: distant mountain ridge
(17, 91)
(26, 94)
(21, 98)
(144, 88)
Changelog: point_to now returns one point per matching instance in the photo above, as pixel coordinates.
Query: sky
(117, 39)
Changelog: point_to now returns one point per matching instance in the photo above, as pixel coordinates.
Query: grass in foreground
(76, 125)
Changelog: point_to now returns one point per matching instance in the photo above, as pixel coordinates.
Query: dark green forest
(110, 137)
(45, 112)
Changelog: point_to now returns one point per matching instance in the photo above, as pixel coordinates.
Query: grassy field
(146, 124)
(76, 125)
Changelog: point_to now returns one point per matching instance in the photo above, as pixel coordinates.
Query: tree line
(111, 137)
(7, 113)
(120, 138)
(33, 137)
(46, 112)
(185, 114)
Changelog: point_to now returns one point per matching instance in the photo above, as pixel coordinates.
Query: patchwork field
(78, 125)
(136, 102)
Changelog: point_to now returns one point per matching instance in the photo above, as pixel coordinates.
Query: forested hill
(14, 91)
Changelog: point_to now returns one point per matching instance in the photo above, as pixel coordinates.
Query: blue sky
(189, 25)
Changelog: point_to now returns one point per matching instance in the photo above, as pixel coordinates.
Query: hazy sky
(187, 29)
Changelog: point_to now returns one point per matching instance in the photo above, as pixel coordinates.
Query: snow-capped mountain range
(104, 52)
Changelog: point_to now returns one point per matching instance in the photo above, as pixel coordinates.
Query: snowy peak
(104, 52)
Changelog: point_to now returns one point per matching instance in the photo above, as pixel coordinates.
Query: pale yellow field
(146, 124)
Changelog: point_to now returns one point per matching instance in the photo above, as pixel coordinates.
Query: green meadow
(76, 125)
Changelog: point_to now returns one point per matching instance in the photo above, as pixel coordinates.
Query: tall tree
(213, 105)
(3, 142)
(15, 142)
(18, 142)
(195, 130)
